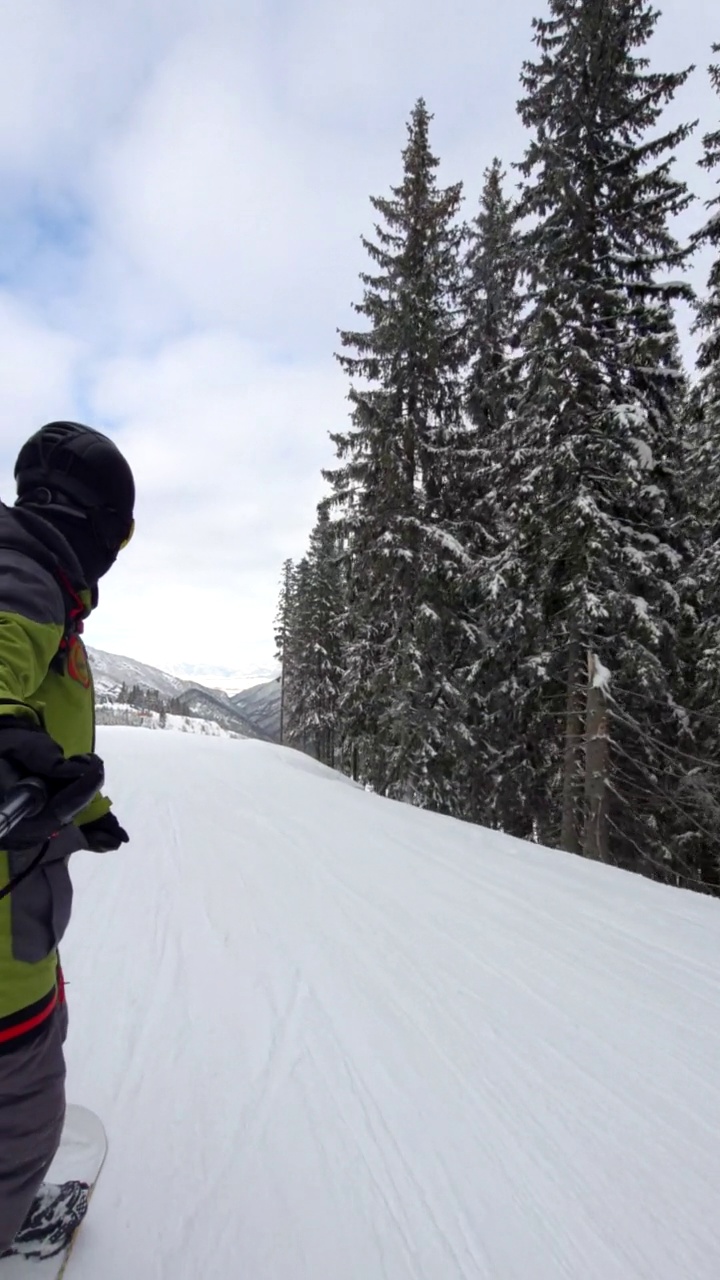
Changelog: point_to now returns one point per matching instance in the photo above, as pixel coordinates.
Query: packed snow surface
(336, 1038)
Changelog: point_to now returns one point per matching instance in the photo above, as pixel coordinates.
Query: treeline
(144, 699)
(510, 606)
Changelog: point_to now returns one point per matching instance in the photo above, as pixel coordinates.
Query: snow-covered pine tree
(709, 310)
(701, 786)
(706, 401)
(309, 642)
(496, 791)
(393, 493)
(282, 651)
(493, 305)
(324, 643)
(298, 656)
(596, 547)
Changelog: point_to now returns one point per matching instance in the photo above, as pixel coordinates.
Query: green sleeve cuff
(97, 808)
(21, 710)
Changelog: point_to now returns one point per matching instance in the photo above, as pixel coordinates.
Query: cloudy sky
(184, 184)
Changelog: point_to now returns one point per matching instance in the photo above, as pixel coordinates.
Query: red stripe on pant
(22, 1028)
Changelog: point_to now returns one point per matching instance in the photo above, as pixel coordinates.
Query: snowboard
(81, 1156)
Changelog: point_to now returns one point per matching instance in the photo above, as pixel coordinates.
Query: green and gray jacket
(44, 675)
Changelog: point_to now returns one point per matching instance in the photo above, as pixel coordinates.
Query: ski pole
(26, 797)
(23, 798)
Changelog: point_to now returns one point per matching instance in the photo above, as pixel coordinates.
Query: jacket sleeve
(97, 808)
(32, 622)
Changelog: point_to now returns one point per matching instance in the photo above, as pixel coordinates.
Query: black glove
(27, 751)
(104, 834)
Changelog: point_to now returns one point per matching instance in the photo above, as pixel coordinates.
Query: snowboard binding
(53, 1219)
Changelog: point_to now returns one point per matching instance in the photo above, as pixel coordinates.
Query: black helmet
(65, 465)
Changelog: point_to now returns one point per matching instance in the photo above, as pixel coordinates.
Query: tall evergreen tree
(323, 647)
(597, 541)
(701, 786)
(709, 311)
(282, 621)
(392, 488)
(297, 665)
(493, 306)
(309, 633)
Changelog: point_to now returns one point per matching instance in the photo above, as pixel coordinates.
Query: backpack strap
(75, 611)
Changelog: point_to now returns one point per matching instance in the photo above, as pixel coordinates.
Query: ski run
(333, 1037)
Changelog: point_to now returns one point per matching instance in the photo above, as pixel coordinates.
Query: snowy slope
(335, 1038)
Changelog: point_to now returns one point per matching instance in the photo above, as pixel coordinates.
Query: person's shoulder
(29, 584)
(23, 532)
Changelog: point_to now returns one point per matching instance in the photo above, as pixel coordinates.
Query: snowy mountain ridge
(231, 680)
(111, 671)
(261, 705)
(115, 675)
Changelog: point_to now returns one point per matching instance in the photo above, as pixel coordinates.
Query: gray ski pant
(32, 1111)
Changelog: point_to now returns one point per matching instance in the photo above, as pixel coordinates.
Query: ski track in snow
(334, 1038)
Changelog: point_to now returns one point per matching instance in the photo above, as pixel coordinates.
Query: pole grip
(24, 799)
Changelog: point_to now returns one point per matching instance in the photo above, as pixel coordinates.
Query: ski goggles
(129, 537)
(111, 528)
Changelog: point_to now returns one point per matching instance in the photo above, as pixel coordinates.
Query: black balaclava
(92, 555)
(77, 480)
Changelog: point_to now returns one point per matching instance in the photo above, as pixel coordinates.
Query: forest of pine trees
(509, 610)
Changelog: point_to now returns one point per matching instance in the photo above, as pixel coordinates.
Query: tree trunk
(572, 773)
(597, 766)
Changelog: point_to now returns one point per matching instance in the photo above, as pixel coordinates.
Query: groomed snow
(335, 1038)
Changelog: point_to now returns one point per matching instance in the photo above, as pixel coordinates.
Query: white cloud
(185, 185)
(66, 72)
(37, 380)
(227, 445)
(360, 65)
(230, 203)
(238, 184)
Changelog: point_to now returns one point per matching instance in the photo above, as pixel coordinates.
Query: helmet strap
(45, 500)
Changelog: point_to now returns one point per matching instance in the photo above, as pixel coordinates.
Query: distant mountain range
(120, 682)
(261, 706)
(229, 679)
(111, 672)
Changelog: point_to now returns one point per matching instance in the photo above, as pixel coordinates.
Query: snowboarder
(72, 516)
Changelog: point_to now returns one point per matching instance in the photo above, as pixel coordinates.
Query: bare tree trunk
(597, 765)
(572, 773)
